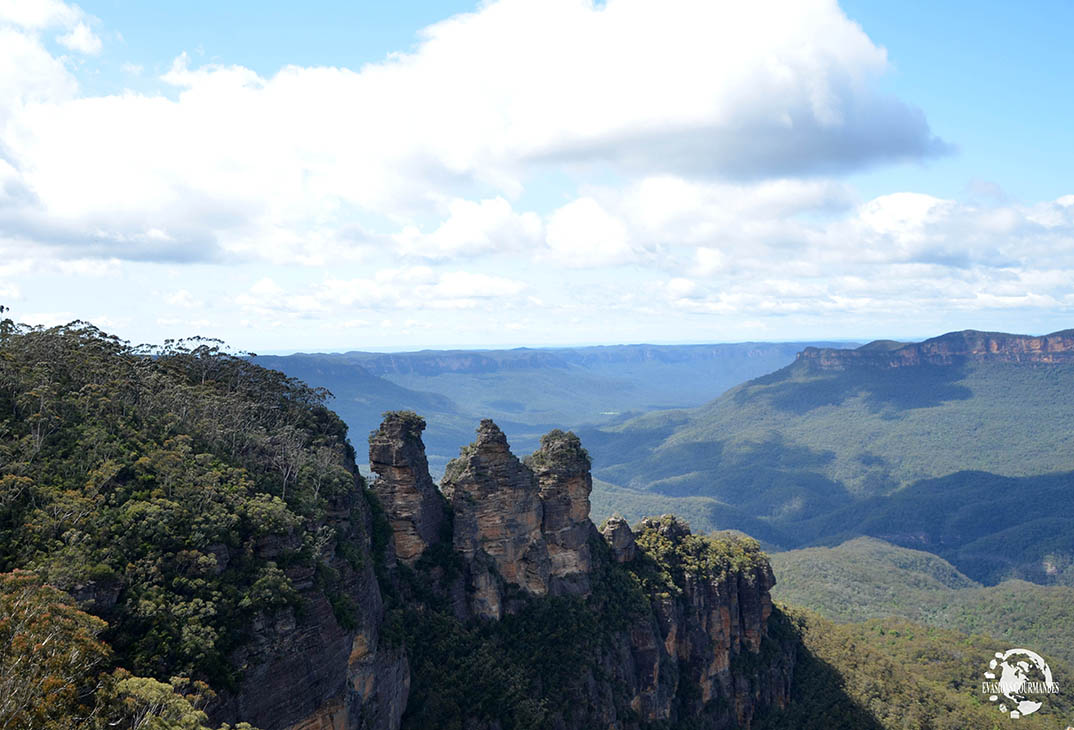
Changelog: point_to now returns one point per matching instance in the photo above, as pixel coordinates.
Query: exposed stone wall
(950, 349)
(498, 520)
(518, 529)
(562, 466)
(694, 639)
(406, 492)
(306, 671)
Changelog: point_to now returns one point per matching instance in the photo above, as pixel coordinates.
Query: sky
(357, 175)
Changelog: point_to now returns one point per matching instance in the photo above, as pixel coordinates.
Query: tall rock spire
(414, 506)
(562, 466)
(498, 518)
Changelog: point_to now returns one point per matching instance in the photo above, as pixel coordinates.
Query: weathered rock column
(620, 539)
(562, 469)
(414, 506)
(498, 517)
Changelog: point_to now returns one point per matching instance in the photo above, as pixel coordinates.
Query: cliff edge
(953, 348)
(519, 612)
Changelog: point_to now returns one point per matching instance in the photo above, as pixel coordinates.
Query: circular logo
(1015, 678)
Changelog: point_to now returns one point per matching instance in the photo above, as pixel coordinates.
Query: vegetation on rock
(171, 491)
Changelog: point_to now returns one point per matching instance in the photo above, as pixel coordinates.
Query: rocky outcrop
(719, 618)
(676, 624)
(700, 654)
(562, 466)
(413, 504)
(620, 539)
(309, 671)
(953, 348)
(498, 520)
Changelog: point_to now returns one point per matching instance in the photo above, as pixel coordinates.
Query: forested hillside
(867, 578)
(928, 445)
(184, 536)
(147, 485)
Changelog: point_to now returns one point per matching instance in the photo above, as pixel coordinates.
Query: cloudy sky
(370, 175)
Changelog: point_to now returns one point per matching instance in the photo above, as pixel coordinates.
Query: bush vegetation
(147, 483)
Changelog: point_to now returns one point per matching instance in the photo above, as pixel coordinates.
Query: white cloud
(473, 228)
(908, 253)
(405, 289)
(420, 186)
(582, 233)
(35, 16)
(182, 298)
(28, 74)
(276, 167)
(39, 14)
(48, 319)
(81, 39)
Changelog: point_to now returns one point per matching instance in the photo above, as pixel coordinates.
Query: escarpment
(953, 348)
(325, 666)
(519, 611)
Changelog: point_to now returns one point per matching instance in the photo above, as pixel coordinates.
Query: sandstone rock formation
(406, 492)
(562, 469)
(620, 539)
(307, 671)
(498, 519)
(693, 647)
(718, 617)
(949, 349)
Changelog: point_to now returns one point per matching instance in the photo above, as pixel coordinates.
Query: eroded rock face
(403, 486)
(687, 651)
(620, 539)
(307, 671)
(950, 349)
(695, 636)
(562, 466)
(498, 516)
(717, 618)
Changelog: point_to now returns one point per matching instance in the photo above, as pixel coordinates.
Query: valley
(200, 528)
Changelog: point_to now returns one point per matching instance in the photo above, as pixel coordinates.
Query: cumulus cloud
(81, 39)
(582, 233)
(37, 16)
(905, 252)
(622, 159)
(473, 228)
(40, 14)
(229, 162)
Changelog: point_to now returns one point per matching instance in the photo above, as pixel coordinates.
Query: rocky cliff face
(562, 466)
(498, 518)
(620, 539)
(413, 504)
(950, 349)
(661, 626)
(324, 669)
(720, 617)
(688, 649)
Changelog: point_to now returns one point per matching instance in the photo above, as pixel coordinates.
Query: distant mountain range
(528, 391)
(959, 445)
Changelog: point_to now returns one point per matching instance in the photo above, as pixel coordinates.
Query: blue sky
(428, 174)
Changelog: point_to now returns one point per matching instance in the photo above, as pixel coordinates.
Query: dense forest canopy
(146, 481)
